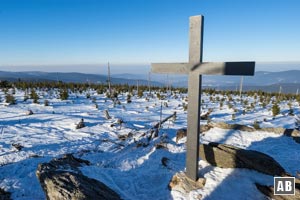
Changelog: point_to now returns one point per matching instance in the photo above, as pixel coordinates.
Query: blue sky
(65, 35)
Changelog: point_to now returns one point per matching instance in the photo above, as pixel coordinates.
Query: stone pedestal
(180, 182)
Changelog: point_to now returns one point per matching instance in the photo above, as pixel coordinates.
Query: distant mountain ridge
(68, 77)
(268, 81)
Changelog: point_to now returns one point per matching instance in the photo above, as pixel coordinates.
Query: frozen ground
(134, 172)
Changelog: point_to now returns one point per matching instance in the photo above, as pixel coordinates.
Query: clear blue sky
(138, 32)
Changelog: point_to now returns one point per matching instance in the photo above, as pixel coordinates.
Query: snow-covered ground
(134, 171)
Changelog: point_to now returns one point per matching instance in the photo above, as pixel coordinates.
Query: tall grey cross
(195, 68)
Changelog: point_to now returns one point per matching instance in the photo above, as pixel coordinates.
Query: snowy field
(135, 171)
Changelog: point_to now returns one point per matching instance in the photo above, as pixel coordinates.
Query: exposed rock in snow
(181, 133)
(183, 184)
(4, 195)
(61, 179)
(18, 146)
(269, 191)
(240, 127)
(80, 124)
(227, 156)
(29, 112)
(294, 133)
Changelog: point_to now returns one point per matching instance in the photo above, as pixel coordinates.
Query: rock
(277, 130)
(240, 127)
(61, 180)
(125, 136)
(4, 195)
(18, 146)
(294, 133)
(183, 184)
(29, 112)
(122, 137)
(181, 133)
(227, 156)
(297, 139)
(206, 115)
(120, 121)
(161, 145)
(205, 128)
(80, 124)
(164, 161)
(68, 161)
(269, 191)
(62, 185)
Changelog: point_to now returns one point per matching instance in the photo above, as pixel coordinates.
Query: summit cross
(195, 68)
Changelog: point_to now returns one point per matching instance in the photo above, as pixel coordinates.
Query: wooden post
(195, 68)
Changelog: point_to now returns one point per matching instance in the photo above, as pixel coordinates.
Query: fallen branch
(157, 125)
(111, 141)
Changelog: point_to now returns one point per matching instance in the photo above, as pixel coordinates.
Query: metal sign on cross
(195, 68)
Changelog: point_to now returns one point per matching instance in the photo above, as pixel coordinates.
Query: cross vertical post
(195, 68)
(194, 97)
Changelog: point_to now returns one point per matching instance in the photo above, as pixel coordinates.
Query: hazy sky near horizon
(80, 35)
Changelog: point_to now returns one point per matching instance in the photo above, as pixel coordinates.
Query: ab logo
(284, 186)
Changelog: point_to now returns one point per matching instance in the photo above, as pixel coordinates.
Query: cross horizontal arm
(206, 68)
(171, 68)
(225, 68)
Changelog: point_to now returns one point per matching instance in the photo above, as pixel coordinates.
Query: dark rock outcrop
(18, 146)
(4, 195)
(227, 156)
(81, 124)
(61, 180)
(29, 112)
(269, 191)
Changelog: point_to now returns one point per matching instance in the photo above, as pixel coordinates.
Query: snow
(134, 172)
